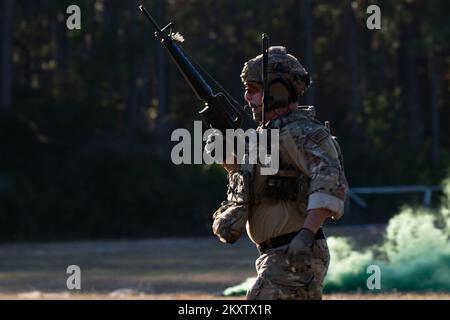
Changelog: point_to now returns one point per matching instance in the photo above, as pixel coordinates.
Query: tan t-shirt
(269, 218)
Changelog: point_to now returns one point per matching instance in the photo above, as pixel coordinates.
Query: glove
(299, 252)
(215, 136)
(214, 141)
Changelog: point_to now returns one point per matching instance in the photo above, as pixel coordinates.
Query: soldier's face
(254, 95)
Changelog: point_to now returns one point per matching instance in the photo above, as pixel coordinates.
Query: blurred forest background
(86, 115)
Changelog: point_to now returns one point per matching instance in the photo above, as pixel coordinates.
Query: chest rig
(289, 183)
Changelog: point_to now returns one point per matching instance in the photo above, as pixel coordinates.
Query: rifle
(221, 111)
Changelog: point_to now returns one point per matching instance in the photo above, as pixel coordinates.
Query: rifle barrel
(142, 8)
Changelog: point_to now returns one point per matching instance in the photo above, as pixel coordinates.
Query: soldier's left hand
(299, 252)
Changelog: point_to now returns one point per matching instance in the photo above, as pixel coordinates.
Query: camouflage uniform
(277, 281)
(312, 156)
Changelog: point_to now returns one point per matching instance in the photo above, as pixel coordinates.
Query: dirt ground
(201, 296)
(174, 269)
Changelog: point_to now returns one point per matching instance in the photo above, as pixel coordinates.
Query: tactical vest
(291, 184)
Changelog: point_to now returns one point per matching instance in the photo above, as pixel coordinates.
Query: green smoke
(414, 255)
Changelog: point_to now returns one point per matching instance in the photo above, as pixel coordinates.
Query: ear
(278, 94)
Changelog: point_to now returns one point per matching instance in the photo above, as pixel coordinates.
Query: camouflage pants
(277, 280)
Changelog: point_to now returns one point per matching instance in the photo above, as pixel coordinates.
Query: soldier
(283, 213)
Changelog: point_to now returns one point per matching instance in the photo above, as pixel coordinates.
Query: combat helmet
(288, 79)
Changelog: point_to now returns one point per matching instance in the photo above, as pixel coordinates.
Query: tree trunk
(161, 122)
(132, 105)
(7, 35)
(434, 93)
(62, 55)
(62, 43)
(410, 90)
(352, 52)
